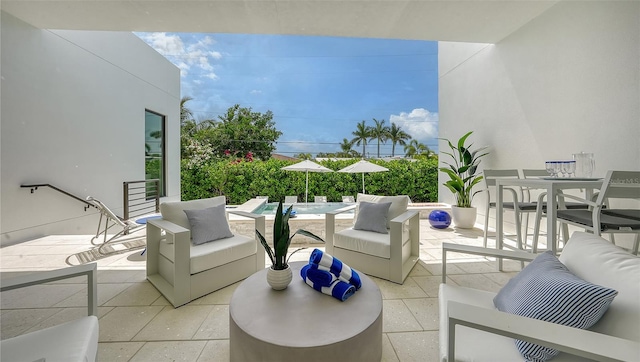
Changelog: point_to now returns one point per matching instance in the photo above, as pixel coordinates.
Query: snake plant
(282, 239)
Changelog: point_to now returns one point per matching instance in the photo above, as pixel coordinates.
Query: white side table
(301, 324)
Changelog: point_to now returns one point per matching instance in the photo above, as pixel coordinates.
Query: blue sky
(318, 88)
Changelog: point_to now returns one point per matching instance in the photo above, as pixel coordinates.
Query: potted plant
(279, 274)
(462, 178)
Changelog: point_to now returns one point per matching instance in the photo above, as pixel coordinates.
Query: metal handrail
(34, 187)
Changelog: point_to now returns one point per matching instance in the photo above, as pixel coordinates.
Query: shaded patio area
(139, 324)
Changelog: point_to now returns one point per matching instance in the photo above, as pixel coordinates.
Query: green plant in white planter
(279, 274)
(463, 177)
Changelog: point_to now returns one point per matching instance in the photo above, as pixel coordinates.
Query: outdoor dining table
(553, 186)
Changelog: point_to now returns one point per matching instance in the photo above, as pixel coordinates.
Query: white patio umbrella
(363, 167)
(307, 166)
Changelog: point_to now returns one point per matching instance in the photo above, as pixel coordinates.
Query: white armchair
(76, 340)
(388, 256)
(183, 271)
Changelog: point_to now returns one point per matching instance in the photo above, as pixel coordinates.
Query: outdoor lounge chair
(111, 220)
(348, 198)
(291, 199)
(186, 261)
(388, 253)
(319, 199)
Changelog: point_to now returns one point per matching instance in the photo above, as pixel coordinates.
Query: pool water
(301, 208)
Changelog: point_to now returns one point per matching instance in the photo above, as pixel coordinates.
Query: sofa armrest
(330, 226)
(259, 225)
(90, 270)
(475, 250)
(575, 341)
(414, 215)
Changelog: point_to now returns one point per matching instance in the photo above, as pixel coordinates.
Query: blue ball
(439, 219)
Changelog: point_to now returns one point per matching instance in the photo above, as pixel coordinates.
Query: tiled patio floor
(138, 324)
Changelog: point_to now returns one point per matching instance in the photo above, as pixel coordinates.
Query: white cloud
(419, 123)
(167, 45)
(185, 56)
(255, 91)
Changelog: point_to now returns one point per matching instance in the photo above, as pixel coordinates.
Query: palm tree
(362, 133)
(415, 148)
(379, 132)
(185, 113)
(397, 135)
(345, 146)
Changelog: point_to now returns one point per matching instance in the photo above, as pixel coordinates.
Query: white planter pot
(464, 217)
(279, 279)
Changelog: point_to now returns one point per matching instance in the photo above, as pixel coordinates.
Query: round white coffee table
(302, 324)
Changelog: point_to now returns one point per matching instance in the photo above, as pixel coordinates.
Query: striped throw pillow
(548, 291)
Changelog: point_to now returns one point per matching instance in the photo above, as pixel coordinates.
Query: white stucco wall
(566, 82)
(73, 107)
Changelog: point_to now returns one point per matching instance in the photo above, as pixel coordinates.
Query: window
(154, 153)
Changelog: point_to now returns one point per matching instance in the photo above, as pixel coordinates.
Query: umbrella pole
(306, 190)
(363, 183)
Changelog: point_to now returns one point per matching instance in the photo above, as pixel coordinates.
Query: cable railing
(34, 187)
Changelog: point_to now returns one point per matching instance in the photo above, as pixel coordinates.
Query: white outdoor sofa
(472, 329)
(72, 341)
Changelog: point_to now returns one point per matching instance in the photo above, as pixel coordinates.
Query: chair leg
(486, 227)
(636, 243)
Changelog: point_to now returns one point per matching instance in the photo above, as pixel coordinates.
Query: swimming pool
(270, 208)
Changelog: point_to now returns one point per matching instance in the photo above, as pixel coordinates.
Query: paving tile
(66, 315)
(122, 323)
(477, 281)
(169, 351)
(38, 296)
(216, 324)
(222, 296)
(18, 321)
(415, 346)
(429, 284)
(391, 290)
(106, 292)
(118, 351)
(135, 294)
(215, 351)
(388, 353)
(175, 323)
(396, 317)
(425, 311)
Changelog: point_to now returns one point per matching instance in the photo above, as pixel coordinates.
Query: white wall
(566, 82)
(73, 107)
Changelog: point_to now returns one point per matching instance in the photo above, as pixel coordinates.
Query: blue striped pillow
(548, 291)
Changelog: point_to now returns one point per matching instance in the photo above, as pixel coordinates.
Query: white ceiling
(482, 21)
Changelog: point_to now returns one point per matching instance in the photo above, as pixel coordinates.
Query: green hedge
(241, 181)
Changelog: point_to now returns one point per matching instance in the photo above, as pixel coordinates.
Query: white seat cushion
(215, 253)
(72, 341)
(366, 242)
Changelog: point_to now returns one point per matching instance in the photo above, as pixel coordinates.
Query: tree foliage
(241, 181)
(379, 132)
(239, 132)
(397, 136)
